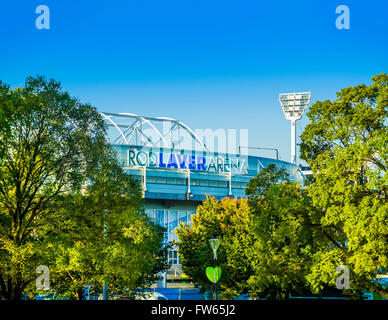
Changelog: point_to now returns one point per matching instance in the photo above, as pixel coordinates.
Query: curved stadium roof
(132, 129)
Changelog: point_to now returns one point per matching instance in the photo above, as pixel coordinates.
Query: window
(159, 217)
(138, 178)
(203, 183)
(213, 183)
(165, 180)
(151, 179)
(150, 214)
(209, 183)
(181, 181)
(235, 184)
(239, 185)
(173, 257)
(172, 220)
(223, 184)
(171, 180)
(161, 180)
(189, 214)
(182, 217)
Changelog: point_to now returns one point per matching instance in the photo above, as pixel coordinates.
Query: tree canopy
(284, 224)
(230, 221)
(64, 200)
(346, 145)
(287, 237)
(266, 240)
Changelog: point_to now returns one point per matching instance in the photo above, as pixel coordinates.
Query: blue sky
(212, 64)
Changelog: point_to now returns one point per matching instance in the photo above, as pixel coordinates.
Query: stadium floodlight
(293, 105)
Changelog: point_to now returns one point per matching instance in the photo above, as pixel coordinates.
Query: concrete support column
(293, 142)
(163, 282)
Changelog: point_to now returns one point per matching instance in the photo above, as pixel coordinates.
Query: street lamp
(214, 244)
(293, 105)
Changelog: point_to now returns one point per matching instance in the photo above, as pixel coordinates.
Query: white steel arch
(114, 124)
(127, 128)
(150, 123)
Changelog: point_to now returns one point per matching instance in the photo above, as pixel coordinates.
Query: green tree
(285, 233)
(108, 238)
(64, 201)
(346, 145)
(267, 240)
(230, 221)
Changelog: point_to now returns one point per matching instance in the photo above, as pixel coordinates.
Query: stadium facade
(176, 179)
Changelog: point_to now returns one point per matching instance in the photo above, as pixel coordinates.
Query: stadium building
(177, 171)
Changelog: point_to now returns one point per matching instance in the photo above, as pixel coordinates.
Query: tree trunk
(80, 294)
(11, 289)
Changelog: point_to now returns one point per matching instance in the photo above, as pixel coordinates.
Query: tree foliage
(230, 221)
(289, 237)
(266, 240)
(346, 145)
(286, 233)
(64, 200)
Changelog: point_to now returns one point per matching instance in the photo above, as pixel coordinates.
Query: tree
(230, 221)
(285, 237)
(267, 239)
(64, 200)
(346, 145)
(109, 238)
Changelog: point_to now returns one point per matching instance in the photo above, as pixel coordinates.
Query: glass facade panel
(189, 214)
(172, 220)
(213, 183)
(172, 236)
(171, 180)
(209, 183)
(181, 181)
(223, 184)
(159, 217)
(151, 179)
(203, 183)
(173, 257)
(182, 217)
(172, 224)
(236, 184)
(161, 180)
(150, 214)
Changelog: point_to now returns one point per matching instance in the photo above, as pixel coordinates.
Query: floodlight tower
(293, 105)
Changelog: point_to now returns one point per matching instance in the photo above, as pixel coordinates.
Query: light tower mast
(293, 105)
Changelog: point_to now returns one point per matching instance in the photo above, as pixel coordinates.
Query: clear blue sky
(212, 64)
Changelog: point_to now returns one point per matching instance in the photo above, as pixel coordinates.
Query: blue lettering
(201, 165)
(182, 160)
(172, 162)
(192, 162)
(161, 164)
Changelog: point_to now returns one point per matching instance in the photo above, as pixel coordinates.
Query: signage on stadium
(211, 163)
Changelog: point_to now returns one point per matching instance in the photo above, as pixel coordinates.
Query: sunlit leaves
(346, 145)
(64, 200)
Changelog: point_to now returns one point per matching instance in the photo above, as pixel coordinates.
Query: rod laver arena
(176, 180)
(168, 160)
